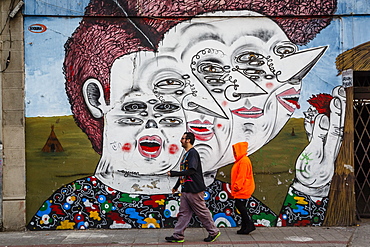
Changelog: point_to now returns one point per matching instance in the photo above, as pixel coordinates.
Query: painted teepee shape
(52, 144)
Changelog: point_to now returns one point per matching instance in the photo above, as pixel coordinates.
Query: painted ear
(293, 68)
(94, 97)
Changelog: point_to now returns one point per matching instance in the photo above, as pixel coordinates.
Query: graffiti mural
(88, 203)
(135, 85)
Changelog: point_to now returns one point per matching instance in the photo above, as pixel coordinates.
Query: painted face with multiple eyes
(144, 132)
(247, 84)
(224, 84)
(141, 135)
(146, 115)
(250, 68)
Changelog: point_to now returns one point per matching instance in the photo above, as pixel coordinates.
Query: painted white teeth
(208, 127)
(147, 141)
(250, 113)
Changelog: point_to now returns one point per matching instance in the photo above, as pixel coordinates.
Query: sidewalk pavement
(358, 236)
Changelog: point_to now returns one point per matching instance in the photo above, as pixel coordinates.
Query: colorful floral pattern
(88, 203)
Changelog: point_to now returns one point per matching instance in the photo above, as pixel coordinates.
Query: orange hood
(242, 180)
(240, 149)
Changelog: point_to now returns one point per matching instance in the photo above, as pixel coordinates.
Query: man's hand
(315, 165)
(174, 191)
(169, 173)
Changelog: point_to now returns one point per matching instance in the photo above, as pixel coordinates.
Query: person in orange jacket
(242, 185)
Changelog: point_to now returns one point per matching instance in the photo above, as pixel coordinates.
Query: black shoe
(174, 240)
(251, 228)
(212, 238)
(247, 230)
(241, 231)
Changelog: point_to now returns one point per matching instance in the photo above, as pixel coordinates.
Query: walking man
(192, 193)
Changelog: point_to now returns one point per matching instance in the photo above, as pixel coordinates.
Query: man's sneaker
(212, 238)
(174, 240)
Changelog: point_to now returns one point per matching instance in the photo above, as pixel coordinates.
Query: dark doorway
(361, 119)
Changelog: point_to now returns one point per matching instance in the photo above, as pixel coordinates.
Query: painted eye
(215, 81)
(166, 107)
(129, 121)
(251, 58)
(170, 83)
(253, 73)
(285, 48)
(170, 121)
(210, 68)
(134, 106)
(217, 90)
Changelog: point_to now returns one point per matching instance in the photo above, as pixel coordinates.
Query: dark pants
(189, 203)
(247, 223)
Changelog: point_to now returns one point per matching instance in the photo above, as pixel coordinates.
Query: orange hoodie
(242, 181)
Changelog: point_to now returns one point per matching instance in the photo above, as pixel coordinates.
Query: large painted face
(166, 75)
(252, 70)
(224, 84)
(141, 131)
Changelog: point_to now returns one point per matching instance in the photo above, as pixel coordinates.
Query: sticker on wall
(37, 28)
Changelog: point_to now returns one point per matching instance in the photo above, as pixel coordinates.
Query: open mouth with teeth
(289, 99)
(203, 131)
(150, 146)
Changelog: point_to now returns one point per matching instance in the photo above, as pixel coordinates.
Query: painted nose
(151, 124)
(241, 87)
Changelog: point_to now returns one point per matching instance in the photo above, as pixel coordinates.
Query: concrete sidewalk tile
(278, 237)
(148, 236)
(195, 234)
(229, 233)
(224, 236)
(241, 237)
(280, 231)
(147, 245)
(244, 244)
(146, 240)
(45, 241)
(331, 237)
(259, 237)
(317, 237)
(215, 244)
(301, 230)
(81, 237)
(127, 236)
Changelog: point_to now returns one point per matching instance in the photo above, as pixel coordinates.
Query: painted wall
(227, 71)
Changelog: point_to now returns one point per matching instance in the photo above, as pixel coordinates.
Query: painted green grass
(47, 172)
(273, 164)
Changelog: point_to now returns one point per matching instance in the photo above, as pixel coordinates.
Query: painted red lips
(150, 146)
(253, 112)
(289, 99)
(202, 130)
